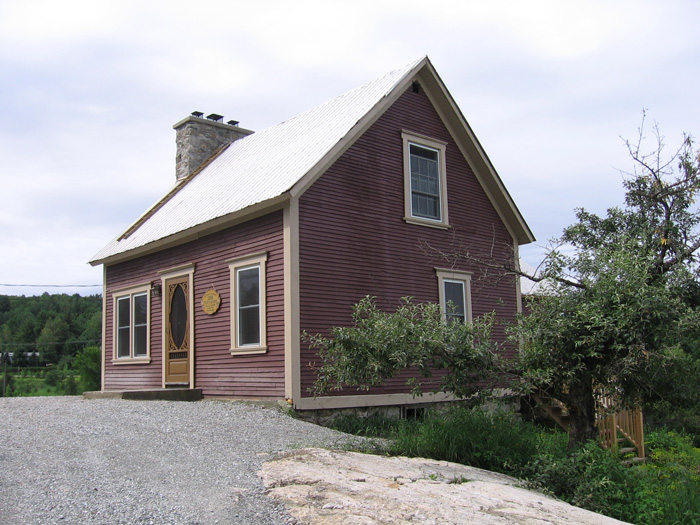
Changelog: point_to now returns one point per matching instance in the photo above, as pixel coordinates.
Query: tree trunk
(582, 413)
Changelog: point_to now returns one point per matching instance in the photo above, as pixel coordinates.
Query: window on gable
(424, 181)
(248, 316)
(131, 325)
(455, 294)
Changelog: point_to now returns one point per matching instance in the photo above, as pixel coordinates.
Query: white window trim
(131, 293)
(430, 143)
(448, 275)
(258, 260)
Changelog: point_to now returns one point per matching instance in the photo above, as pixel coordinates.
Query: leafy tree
(5, 304)
(19, 356)
(88, 363)
(620, 294)
(380, 345)
(92, 332)
(52, 339)
(70, 387)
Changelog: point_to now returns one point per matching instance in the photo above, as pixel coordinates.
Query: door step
(163, 394)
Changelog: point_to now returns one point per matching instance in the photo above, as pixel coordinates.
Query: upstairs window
(425, 188)
(131, 324)
(425, 182)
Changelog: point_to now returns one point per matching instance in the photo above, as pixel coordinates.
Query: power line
(52, 343)
(53, 285)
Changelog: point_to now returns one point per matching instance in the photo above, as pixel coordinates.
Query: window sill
(132, 361)
(428, 223)
(243, 350)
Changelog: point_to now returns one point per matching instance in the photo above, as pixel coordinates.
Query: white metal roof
(256, 168)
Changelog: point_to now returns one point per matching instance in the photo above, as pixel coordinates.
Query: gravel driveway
(111, 461)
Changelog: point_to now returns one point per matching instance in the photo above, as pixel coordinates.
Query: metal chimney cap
(197, 114)
(215, 117)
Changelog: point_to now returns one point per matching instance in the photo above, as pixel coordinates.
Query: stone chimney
(198, 138)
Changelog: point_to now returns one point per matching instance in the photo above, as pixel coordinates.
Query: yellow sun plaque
(211, 300)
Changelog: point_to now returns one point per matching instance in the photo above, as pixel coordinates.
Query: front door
(177, 332)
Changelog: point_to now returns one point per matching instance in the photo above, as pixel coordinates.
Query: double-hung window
(425, 182)
(425, 192)
(248, 315)
(455, 294)
(131, 325)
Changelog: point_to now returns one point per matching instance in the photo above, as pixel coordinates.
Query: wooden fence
(621, 429)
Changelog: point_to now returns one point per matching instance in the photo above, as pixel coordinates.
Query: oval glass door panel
(178, 316)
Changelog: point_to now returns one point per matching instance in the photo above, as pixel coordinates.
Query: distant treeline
(46, 329)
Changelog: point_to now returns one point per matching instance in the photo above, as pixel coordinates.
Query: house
(266, 235)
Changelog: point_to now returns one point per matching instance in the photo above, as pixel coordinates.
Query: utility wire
(54, 285)
(51, 343)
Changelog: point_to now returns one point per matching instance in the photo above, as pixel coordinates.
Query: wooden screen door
(177, 332)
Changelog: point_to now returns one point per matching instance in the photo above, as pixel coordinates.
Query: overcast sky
(91, 89)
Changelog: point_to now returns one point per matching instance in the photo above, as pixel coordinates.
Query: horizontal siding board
(354, 241)
(243, 375)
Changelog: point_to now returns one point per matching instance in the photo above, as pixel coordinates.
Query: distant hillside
(43, 329)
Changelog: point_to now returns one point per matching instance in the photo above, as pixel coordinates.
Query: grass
(51, 381)
(664, 490)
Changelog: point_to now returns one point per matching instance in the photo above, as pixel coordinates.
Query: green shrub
(88, 364)
(53, 376)
(589, 477)
(670, 481)
(70, 386)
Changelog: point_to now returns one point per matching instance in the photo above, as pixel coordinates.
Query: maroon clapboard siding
(354, 241)
(217, 372)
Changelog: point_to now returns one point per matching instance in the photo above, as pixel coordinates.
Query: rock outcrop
(331, 487)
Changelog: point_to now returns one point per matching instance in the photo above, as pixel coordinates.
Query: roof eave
(476, 155)
(198, 231)
(356, 131)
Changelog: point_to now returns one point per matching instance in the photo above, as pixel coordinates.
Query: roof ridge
(411, 65)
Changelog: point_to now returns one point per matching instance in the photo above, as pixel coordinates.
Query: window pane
(424, 152)
(178, 316)
(454, 300)
(123, 326)
(140, 339)
(249, 325)
(140, 309)
(425, 206)
(123, 342)
(249, 306)
(248, 287)
(123, 312)
(140, 324)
